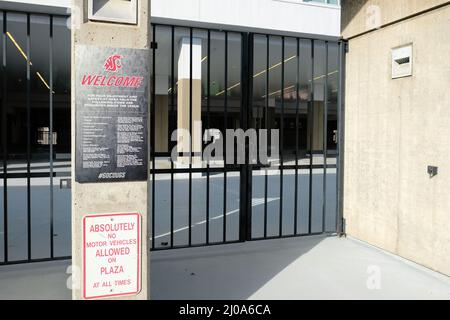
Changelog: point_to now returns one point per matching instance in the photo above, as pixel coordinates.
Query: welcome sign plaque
(111, 114)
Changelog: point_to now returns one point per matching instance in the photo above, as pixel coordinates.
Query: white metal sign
(111, 255)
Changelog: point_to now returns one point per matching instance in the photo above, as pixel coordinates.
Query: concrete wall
(362, 15)
(394, 130)
(88, 198)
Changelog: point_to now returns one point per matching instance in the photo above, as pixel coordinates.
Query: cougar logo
(113, 64)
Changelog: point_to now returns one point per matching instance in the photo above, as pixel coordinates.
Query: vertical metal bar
(340, 228)
(266, 178)
(152, 140)
(311, 132)
(243, 196)
(325, 146)
(248, 104)
(51, 138)
(5, 147)
(28, 141)
(208, 106)
(297, 106)
(225, 143)
(282, 137)
(246, 115)
(190, 135)
(172, 102)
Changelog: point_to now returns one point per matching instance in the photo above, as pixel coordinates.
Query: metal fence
(35, 137)
(230, 80)
(245, 81)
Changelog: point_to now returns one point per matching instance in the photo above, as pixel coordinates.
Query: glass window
(332, 135)
(31, 55)
(40, 134)
(304, 128)
(16, 133)
(259, 121)
(317, 120)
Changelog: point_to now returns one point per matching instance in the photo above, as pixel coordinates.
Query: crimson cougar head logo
(113, 64)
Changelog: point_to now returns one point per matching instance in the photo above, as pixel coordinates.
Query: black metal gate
(233, 80)
(226, 79)
(34, 137)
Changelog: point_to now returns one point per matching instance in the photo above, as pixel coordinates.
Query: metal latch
(432, 171)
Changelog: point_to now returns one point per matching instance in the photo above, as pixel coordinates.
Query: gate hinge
(342, 232)
(154, 45)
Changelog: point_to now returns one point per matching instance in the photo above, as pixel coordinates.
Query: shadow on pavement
(228, 272)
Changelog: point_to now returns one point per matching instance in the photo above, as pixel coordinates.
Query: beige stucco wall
(394, 130)
(358, 16)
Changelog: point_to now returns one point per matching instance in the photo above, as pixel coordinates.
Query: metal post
(311, 132)
(282, 137)
(190, 135)
(172, 102)
(208, 125)
(28, 140)
(153, 131)
(340, 227)
(225, 143)
(5, 146)
(245, 225)
(297, 106)
(51, 137)
(325, 151)
(266, 178)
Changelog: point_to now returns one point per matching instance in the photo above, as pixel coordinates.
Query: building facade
(264, 64)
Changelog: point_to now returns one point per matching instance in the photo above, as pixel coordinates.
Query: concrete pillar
(105, 197)
(184, 73)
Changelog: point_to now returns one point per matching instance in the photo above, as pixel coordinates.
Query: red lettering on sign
(112, 81)
(87, 80)
(112, 252)
(111, 270)
(111, 258)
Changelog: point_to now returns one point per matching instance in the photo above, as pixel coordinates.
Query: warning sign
(111, 255)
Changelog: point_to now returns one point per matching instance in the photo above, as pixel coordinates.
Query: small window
(402, 61)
